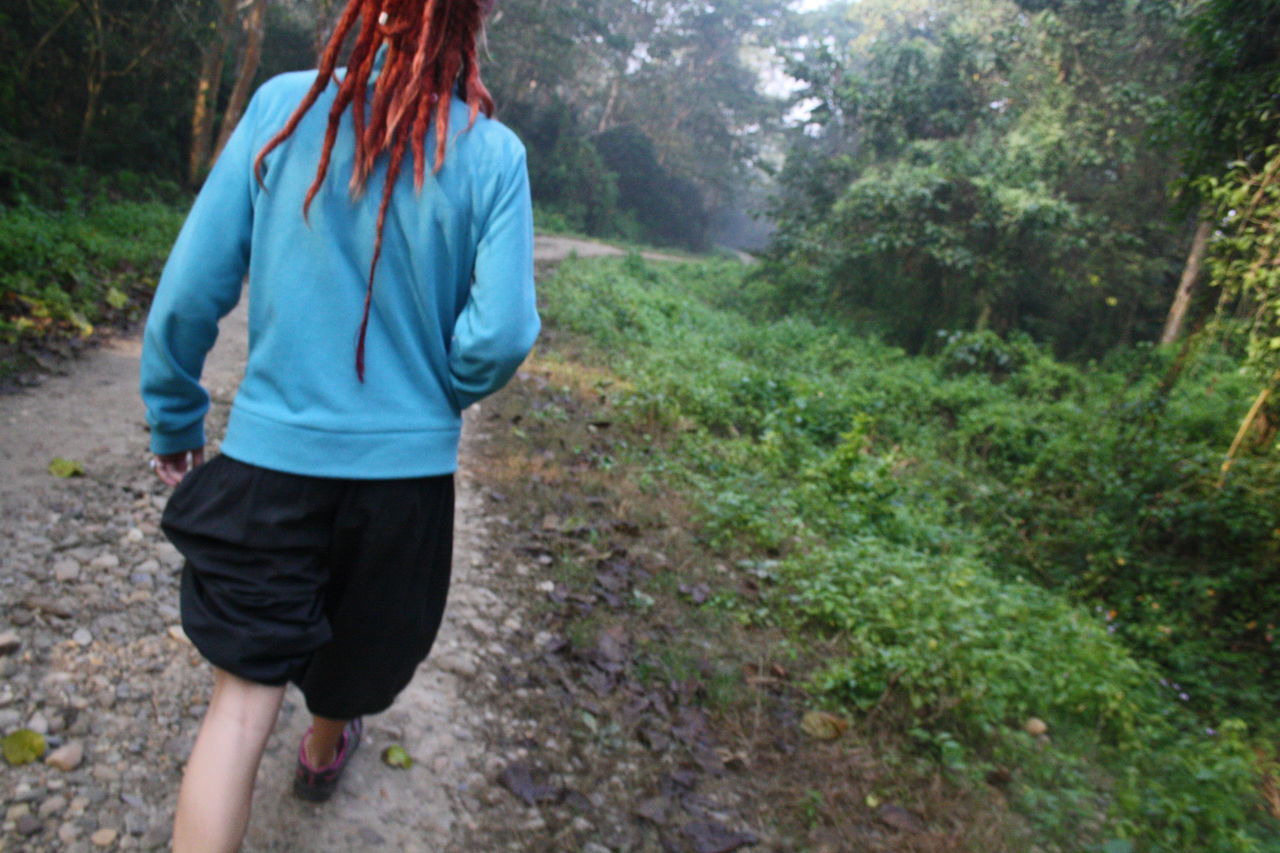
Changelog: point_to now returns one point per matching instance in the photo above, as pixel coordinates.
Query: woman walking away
(384, 222)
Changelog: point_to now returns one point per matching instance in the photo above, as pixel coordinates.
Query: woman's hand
(172, 467)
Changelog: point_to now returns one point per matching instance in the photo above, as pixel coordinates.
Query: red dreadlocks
(431, 44)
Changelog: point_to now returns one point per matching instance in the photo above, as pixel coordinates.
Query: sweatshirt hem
(381, 455)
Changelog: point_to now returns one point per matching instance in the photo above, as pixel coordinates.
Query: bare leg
(217, 787)
(322, 744)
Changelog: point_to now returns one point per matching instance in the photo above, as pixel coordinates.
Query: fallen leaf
(611, 646)
(900, 819)
(711, 837)
(654, 739)
(577, 801)
(518, 779)
(655, 810)
(116, 298)
(65, 468)
(698, 593)
(708, 760)
(823, 725)
(22, 747)
(396, 756)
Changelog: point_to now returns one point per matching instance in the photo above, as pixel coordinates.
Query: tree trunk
(93, 91)
(984, 315)
(211, 61)
(95, 77)
(607, 115)
(44, 39)
(254, 28)
(1247, 424)
(1186, 286)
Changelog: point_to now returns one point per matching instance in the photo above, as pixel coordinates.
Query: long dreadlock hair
(431, 45)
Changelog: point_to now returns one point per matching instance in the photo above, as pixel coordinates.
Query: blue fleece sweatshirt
(453, 312)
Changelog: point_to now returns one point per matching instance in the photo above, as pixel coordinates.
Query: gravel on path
(93, 657)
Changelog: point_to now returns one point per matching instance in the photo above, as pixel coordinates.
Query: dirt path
(91, 655)
(551, 248)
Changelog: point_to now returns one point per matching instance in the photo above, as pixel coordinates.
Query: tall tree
(212, 56)
(1226, 115)
(253, 26)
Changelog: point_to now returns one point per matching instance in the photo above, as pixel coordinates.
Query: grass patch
(959, 544)
(72, 259)
(551, 433)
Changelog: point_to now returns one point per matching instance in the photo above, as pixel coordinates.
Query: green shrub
(62, 271)
(981, 537)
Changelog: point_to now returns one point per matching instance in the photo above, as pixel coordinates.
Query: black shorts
(336, 585)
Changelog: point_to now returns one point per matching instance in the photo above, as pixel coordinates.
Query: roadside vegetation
(961, 547)
(76, 250)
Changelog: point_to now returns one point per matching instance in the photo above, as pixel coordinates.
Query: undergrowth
(76, 249)
(988, 538)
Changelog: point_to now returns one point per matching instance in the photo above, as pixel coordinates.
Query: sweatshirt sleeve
(499, 323)
(200, 284)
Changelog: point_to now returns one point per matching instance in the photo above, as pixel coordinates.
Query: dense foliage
(643, 119)
(619, 143)
(76, 249)
(983, 536)
(975, 165)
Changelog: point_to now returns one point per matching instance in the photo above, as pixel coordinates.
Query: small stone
(156, 836)
(370, 837)
(68, 833)
(136, 824)
(459, 665)
(24, 793)
(176, 632)
(104, 837)
(106, 775)
(66, 757)
(28, 824)
(134, 535)
(168, 555)
(1035, 726)
(38, 723)
(105, 561)
(66, 571)
(82, 636)
(16, 811)
(9, 643)
(52, 806)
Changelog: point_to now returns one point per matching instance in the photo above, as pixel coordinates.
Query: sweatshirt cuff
(191, 438)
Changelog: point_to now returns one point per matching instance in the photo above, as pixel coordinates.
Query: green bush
(61, 271)
(980, 537)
